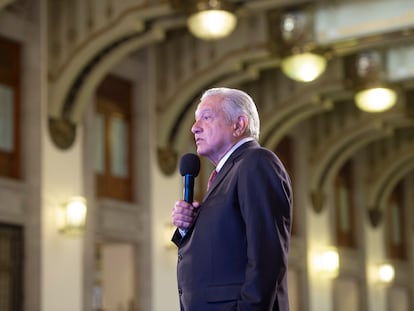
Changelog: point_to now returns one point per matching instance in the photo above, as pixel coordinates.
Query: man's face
(212, 131)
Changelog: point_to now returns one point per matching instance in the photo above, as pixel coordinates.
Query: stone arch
(342, 148)
(101, 50)
(176, 120)
(401, 165)
(306, 103)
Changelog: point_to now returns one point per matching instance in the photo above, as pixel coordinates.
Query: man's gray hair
(236, 103)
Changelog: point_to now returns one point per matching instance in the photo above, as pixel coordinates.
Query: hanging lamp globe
(376, 99)
(212, 20)
(304, 67)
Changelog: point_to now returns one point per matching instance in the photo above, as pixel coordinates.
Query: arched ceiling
(4, 3)
(85, 42)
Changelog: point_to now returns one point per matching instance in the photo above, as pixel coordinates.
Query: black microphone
(189, 168)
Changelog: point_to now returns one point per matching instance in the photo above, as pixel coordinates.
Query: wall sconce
(294, 43)
(208, 19)
(325, 263)
(72, 216)
(385, 273)
(169, 230)
(366, 76)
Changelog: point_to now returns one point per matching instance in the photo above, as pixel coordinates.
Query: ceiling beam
(4, 3)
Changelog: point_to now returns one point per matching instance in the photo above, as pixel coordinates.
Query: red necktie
(211, 178)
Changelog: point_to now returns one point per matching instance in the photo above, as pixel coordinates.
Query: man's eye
(206, 117)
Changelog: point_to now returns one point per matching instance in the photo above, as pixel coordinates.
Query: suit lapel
(220, 175)
(228, 165)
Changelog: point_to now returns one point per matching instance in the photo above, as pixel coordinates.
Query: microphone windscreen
(190, 165)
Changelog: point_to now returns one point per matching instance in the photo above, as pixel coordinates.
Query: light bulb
(304, 67)
(212, 24)
(376, 99)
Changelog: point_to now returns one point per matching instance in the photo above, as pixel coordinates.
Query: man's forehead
(206, 107)
(202, 109)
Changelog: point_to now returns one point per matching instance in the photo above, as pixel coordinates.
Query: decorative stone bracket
(62, 132)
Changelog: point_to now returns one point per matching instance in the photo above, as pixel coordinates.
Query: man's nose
(195, 128)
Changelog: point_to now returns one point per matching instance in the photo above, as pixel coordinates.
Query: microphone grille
(190, 165)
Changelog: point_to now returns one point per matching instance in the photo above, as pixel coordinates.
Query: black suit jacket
(235, 255)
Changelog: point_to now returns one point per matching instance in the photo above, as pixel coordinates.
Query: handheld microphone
(189, 168)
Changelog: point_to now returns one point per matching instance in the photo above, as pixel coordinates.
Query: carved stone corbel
(167, 159)
(375, 216)
(318, 200)
(62, 132)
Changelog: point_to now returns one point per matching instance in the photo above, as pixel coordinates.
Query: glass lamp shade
(72, 216)
(326, 263)
(304, 67)
(376, 99)
(212, 24)
(386, 273)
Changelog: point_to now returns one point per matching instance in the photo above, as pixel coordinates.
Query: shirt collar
(228, 154)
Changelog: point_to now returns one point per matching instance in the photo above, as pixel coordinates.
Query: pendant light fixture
(304, 67)
(208, 19)
(294, 43)
(372, 92)
(377, 99)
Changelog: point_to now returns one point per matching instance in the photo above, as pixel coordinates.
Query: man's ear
(240, 126)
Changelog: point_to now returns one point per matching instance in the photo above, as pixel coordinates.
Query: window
(344, 207)
(395, 224)
(284, 151)
(114, 289)
(11, 267)
(9, 109)
(113, 132)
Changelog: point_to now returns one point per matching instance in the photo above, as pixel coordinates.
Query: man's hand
(183, 214)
